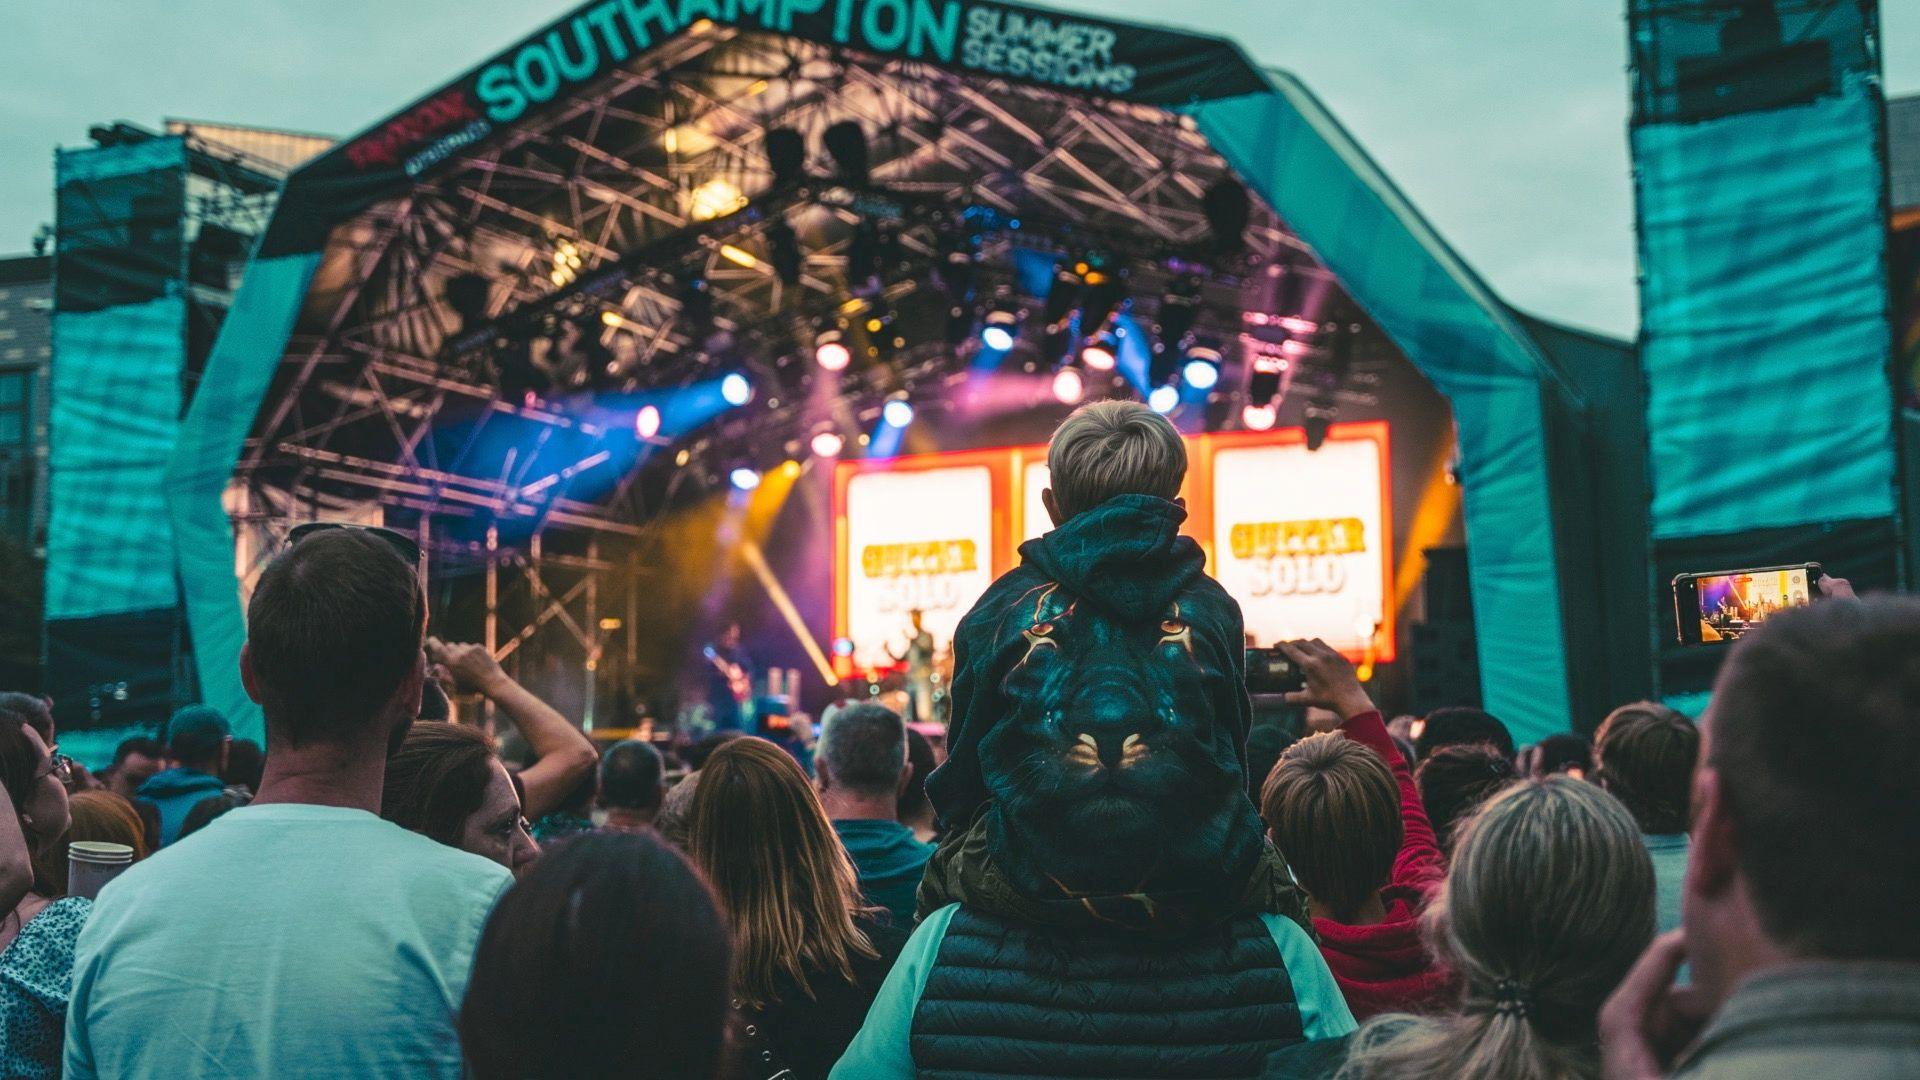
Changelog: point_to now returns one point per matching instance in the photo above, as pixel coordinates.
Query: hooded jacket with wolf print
(1100, 718)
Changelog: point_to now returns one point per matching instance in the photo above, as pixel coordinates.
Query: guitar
(739, 683)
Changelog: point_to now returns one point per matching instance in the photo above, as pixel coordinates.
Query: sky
(1503, 121)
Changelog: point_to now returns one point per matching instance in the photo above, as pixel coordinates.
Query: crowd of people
(1107, 869)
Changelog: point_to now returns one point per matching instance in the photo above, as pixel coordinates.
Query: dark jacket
(889, 861)
(174, 793)
(1856, 1020)
(1108, 646)
(810, 1032)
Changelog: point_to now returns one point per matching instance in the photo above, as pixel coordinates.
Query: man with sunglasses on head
(301, 935)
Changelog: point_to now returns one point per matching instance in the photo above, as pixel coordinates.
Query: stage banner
(1052, 49)
(917, 535)
(1301, 538)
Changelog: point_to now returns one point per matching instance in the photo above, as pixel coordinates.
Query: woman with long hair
(447, 784)
(38, 929)
(1548, 902)
(808, 954)
(608, 959)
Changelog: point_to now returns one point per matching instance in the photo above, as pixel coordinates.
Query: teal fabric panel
(1286, 147)
(237, 376)
(116, 408)
(1765, 334)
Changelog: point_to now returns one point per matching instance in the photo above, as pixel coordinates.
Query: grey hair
(1114, 448)
(1548, 902)
(862, 748)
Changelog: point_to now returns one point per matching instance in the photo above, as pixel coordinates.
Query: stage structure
(657, 247)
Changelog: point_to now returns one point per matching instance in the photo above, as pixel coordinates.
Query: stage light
(682, 458)
(1202, 370)
(735, 389)
(1163, 399)
(843, 646)
(1229, 211)
(783, 250)
(898, 412)
(646, 422)
(1002, 329)
(739, 256)
(1069, 386)
(828, 444)
(1179, 310)
(1101, 353)
(787, 156)
(744, 478)
(1319, 423)
(847, 143)
(715, 199)
(830, 351)
(1259, 417)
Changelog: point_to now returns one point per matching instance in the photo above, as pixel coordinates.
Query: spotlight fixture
(1063, 296)
(897, 412)
(744, 478)
(1101, 352)
(828, 444)
(1319, 423)
(1069, 386)
(1002, 327)
(1259, 417)
(735, 389)
(1163, 399)
(830, 351)
(783, 251)
(1229, 211)
(847, 144)
(787, 156)
(1202, 369)
(715, 199)
(646, 422)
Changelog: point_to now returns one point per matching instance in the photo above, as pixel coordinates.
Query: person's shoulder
(426, 860)
(1006, 589)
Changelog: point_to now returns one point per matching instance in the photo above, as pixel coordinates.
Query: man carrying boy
(1102, 833)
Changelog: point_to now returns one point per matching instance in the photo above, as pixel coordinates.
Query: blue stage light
(735, 389)
(1200, 374)
(1163, 400)
(997, 337)
(897, 413)
(744, 479)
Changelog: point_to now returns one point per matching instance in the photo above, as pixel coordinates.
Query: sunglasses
(399, 542)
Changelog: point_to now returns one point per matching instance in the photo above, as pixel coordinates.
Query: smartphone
(1270, 671)
(1725, 605)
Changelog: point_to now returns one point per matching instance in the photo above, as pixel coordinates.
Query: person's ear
(226, 751)
(1180, 501)
(1713, 858)
(906, 778)
(249, 680)
(406, 698)
(1053, 508)
(822, 775)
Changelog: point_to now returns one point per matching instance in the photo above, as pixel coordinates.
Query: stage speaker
(1446, 656)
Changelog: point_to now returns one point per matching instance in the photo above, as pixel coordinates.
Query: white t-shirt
(281, 940)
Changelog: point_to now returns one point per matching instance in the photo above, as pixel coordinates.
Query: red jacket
(1385, 967)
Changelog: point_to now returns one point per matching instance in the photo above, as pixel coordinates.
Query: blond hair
(1334, 809)
(1114, 448)
(758, 832)
(1548, 902)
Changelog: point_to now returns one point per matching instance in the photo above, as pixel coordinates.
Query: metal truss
(372, 405)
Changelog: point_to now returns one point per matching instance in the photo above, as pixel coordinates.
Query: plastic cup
(92, 863)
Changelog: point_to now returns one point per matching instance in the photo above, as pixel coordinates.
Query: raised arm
(1332, 684)
(563, 755)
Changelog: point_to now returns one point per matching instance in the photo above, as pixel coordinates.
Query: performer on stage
(729, 680)
(919, 660)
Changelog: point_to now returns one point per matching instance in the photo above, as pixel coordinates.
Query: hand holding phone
(1726, 605)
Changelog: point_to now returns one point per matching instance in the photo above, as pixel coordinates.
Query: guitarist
(729, 680)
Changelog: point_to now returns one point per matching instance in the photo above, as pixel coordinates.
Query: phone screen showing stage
(1733, 604)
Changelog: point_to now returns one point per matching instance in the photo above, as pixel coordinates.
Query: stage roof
(598, 165)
